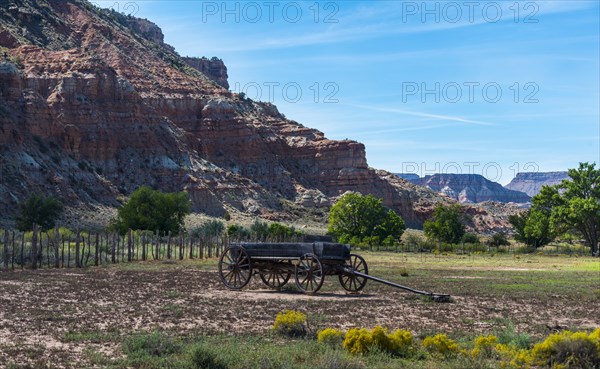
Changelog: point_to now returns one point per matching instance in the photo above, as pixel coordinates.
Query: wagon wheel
(275, 279)
(309, 274)
(351, 282)
(235, 268)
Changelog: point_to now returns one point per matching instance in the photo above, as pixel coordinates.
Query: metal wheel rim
(309, 274)
(275, 279)
(351, 282)
(235, 268)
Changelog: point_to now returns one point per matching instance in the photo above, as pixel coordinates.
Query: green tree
(40, 210)
(499, 239)
(358, 217)
(469, 238)
(532, 227)
(210, 228)
(281, 232)
(152, 210)
(447, 224)
(574, 204)
(237, 231)
(259, 230)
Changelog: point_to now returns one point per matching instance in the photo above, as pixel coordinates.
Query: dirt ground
(53, 316)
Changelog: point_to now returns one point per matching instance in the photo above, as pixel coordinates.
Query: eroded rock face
(532, 182)
(98, 111)
(213, 68)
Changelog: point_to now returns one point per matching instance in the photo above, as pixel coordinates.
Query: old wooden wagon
(308, 263)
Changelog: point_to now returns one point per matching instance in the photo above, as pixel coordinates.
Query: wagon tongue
(435, 297)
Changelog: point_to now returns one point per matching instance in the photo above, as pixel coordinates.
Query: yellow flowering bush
(567, 350)
(401, 340)
(513, 357)
(290, 323)
(441, 344)
(595, 336)
(362, 341)
(358, 341)
(484, 346)
(331, 336)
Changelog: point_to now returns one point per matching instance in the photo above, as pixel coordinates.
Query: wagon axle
(309, 263)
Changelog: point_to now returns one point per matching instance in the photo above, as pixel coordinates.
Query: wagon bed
(294, 251)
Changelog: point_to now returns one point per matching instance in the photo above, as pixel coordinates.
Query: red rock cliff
(93, 105)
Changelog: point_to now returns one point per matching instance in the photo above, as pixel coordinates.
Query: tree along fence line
(59, 249)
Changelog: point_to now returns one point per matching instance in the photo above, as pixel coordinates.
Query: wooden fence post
(96, 252)
(169, 246)
(56, 242)
(23, 251)
(112, 249)
(13, 253)
(180, 247)
(129, 246)
(143, 247)
(6, 249)
(34, 247)
(77, 250)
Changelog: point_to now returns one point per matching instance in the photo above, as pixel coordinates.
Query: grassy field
(178, 315)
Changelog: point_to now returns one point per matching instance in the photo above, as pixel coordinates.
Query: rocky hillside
(470, 188)
(532, 182)
(93, 104)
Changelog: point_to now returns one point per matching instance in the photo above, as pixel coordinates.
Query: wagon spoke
(275, 278)
(235, 267)
(350, 281)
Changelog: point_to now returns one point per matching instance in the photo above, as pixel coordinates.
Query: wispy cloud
(422, 115)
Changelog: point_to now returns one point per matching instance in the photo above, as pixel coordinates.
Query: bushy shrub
(440, 344)
(401, 341)
(499, 239)
(40, 210)
(362, 341)
(290, 323)
(595, 336)
(259, 230)
(513, 357)
(150, 344)
(204, 358)
(281, 232)
(210, 228)
(331, 336)
(484, 346)
(567, 350)
(469, 238)
(412, 239)
(237, 231)
(358, 341)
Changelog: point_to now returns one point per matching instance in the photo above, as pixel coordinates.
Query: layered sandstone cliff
(93, 104)
(213, 68)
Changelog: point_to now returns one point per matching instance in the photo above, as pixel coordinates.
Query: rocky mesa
(470, 188)
(93, 104)
(532, 182)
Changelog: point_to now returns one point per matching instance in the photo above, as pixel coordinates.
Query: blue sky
(486, 87)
